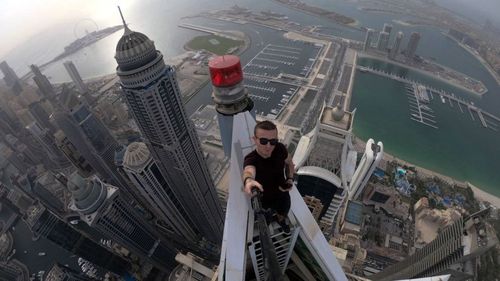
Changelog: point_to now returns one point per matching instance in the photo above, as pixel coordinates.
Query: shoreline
(423, 72)
(476, 56)
(479, 194)
(353, 25)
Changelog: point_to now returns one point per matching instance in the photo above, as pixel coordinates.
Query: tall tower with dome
(151, 91)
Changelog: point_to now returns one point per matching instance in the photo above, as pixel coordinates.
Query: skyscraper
(387, 28)
(54, 158)
(397, 44)
(73, 155)
(45, 224)
(372, 156)
(59, 272)
(90, 137)
(383, 41)
(44, 85)
(96, 133)
(308, 251)
(370, 33)
(455, 248)
(102, 207)
(75, 76)
(144, 173)
(41, 116)
(412, 45)
(152, 94)
(10, 78)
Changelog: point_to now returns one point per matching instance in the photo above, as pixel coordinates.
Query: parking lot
(262, 74)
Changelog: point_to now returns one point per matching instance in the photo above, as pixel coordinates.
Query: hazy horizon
(20, 19)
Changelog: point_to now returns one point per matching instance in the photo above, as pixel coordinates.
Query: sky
(22, 19)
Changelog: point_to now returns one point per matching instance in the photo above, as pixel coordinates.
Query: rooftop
(327, 118)
(136, 155)
(354, 212)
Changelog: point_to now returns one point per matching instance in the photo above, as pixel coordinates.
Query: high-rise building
(59, 272)
(103, 208)
(26, 147)
(75, 76)
(145, 175)
(372, 156)
(44, 188)
(13, 270)
(45, 224)
(41, 116)
(153, 97)
(370, 34)
(53, 158)
(383, 41)
(10, 78)
(455, 249)
(324, 164)
(387, 28)
(90, 137)
(397, 44)
(9, 120)
(6, 127)
(303, 253)
(412, 45)
(9, 157)
(44, 85)
(72, 153)
(97, 135)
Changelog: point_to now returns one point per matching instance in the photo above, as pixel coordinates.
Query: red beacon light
(225, 71)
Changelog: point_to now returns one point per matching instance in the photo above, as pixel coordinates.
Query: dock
(460, 107)
(482, 119)
(417, 95)
(493, 123)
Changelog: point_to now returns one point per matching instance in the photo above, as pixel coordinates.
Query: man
(270, 168)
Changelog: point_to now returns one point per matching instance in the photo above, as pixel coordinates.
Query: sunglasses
(264, 141)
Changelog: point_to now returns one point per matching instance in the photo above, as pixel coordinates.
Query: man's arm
(249, 180)
(289, 172)
(289, 167)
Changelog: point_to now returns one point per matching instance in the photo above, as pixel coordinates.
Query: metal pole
(271, 265)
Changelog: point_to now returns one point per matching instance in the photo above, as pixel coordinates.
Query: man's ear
(254, 139)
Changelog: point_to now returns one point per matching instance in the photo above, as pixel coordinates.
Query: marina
(277, 72)
(419, 95)
(417, 98)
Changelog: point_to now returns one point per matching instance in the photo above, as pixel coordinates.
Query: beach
(479, 194)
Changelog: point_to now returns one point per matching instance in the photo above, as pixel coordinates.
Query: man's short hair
(264, 125)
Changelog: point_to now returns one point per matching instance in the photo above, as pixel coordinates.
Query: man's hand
(288, 186)
(250, 184)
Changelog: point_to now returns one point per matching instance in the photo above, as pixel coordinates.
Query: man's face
(267, 137)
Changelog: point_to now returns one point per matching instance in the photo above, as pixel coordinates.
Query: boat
(423, 106)
(415, 115)
(41, 254)
(363, 69)
(442, 99)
